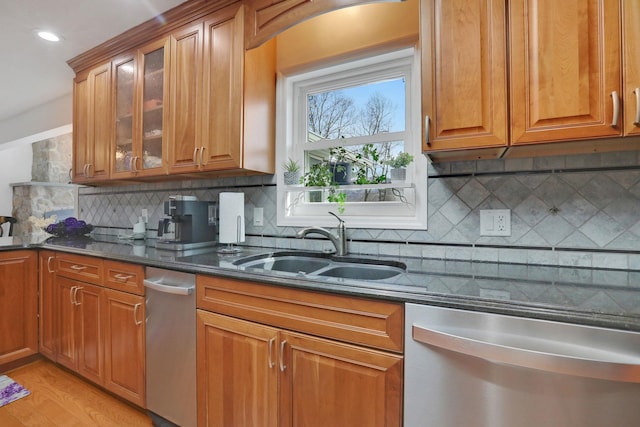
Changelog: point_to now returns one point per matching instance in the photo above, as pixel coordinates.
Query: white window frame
(291, 126)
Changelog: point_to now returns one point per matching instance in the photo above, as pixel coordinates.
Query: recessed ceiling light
(49, 36)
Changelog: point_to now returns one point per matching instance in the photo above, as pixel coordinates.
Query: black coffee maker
(188, 223)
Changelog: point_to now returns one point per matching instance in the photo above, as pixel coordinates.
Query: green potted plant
(319, 175)
(291, 172)
(398, 165)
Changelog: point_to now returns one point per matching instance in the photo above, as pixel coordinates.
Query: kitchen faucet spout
(339, 240)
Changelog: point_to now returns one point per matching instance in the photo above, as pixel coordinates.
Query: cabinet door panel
(328, 383)
(18, 305)
(464, 73)
(100, 121)
(631, 59)
(80, 128)
(186, 65)
(90, 336)
(222, 109)
(125, 346)
(67, 354)
(565, 64)
(237, 372)
(48, 305)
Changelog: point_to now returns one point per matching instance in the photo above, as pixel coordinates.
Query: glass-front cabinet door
(124, 75)
(155, 84)
(141, 88)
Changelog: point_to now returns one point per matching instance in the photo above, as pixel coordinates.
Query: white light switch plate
(495, 222)
(258, 217)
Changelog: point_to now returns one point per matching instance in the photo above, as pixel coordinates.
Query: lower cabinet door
(18, 305)
(66, 325)
(237, 372)
(88, 299)
(327, 383)
(48, 345)
(124, 345)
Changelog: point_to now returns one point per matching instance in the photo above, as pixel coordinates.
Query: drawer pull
(78, 267)
(122, 277)
(281, 356)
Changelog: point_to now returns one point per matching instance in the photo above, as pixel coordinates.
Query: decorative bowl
(69, 227)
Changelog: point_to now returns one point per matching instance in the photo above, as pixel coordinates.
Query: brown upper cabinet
(92, 124)
(565, 70)
(571, 76)
(180, 97)
(140, 92)
(464, 75)
(223, 98)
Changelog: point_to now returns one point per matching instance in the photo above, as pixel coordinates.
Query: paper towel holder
(230, 248)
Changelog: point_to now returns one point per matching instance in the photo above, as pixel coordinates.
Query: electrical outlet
(495, 222)
(145, 215)
(258, 217)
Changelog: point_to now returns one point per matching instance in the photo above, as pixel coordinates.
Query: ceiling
(34, 73)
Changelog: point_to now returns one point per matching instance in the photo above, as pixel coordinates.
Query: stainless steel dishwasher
(465, 368)
(171, 347)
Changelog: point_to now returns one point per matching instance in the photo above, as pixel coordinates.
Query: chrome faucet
(339, 240)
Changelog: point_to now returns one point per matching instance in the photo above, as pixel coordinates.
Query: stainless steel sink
(289, 264)
(362, 272)
(323, 265)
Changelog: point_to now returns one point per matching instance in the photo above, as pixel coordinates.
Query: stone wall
(49, 192)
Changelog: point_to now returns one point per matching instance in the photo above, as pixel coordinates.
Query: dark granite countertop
(599, 297)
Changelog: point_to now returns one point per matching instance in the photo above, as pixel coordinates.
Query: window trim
(288, 113)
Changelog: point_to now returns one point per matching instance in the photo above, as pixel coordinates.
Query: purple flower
(71, 221)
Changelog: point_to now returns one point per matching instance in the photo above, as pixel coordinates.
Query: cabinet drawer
(368, 322)
(123, 276)
(79, 267)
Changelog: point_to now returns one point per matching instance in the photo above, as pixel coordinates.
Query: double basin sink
(319, 265)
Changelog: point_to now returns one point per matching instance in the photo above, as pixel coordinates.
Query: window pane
(356, 164)
(361, 110)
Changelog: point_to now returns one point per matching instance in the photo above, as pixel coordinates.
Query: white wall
(15, 166)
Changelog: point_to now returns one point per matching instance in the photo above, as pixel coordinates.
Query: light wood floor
(59, 398)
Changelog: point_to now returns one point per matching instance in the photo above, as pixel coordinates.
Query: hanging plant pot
(340, 172)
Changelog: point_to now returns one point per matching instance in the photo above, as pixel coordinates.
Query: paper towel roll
(231, 217)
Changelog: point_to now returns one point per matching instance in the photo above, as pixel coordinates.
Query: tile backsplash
(565, 210)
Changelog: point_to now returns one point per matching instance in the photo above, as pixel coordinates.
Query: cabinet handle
(122, 277)
(616, 108)
(78, 267)
(202, 155)
(89, 173)
(49, 270)
(195, 155)
(134, 163)
(281, 356)
(75, 295)
(637, 120)
(84, 170)
(72, 293)
(271, 364)
(427, 136)
(136, 308)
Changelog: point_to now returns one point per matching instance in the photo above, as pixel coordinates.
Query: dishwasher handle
(168, 289)
(611, 370)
